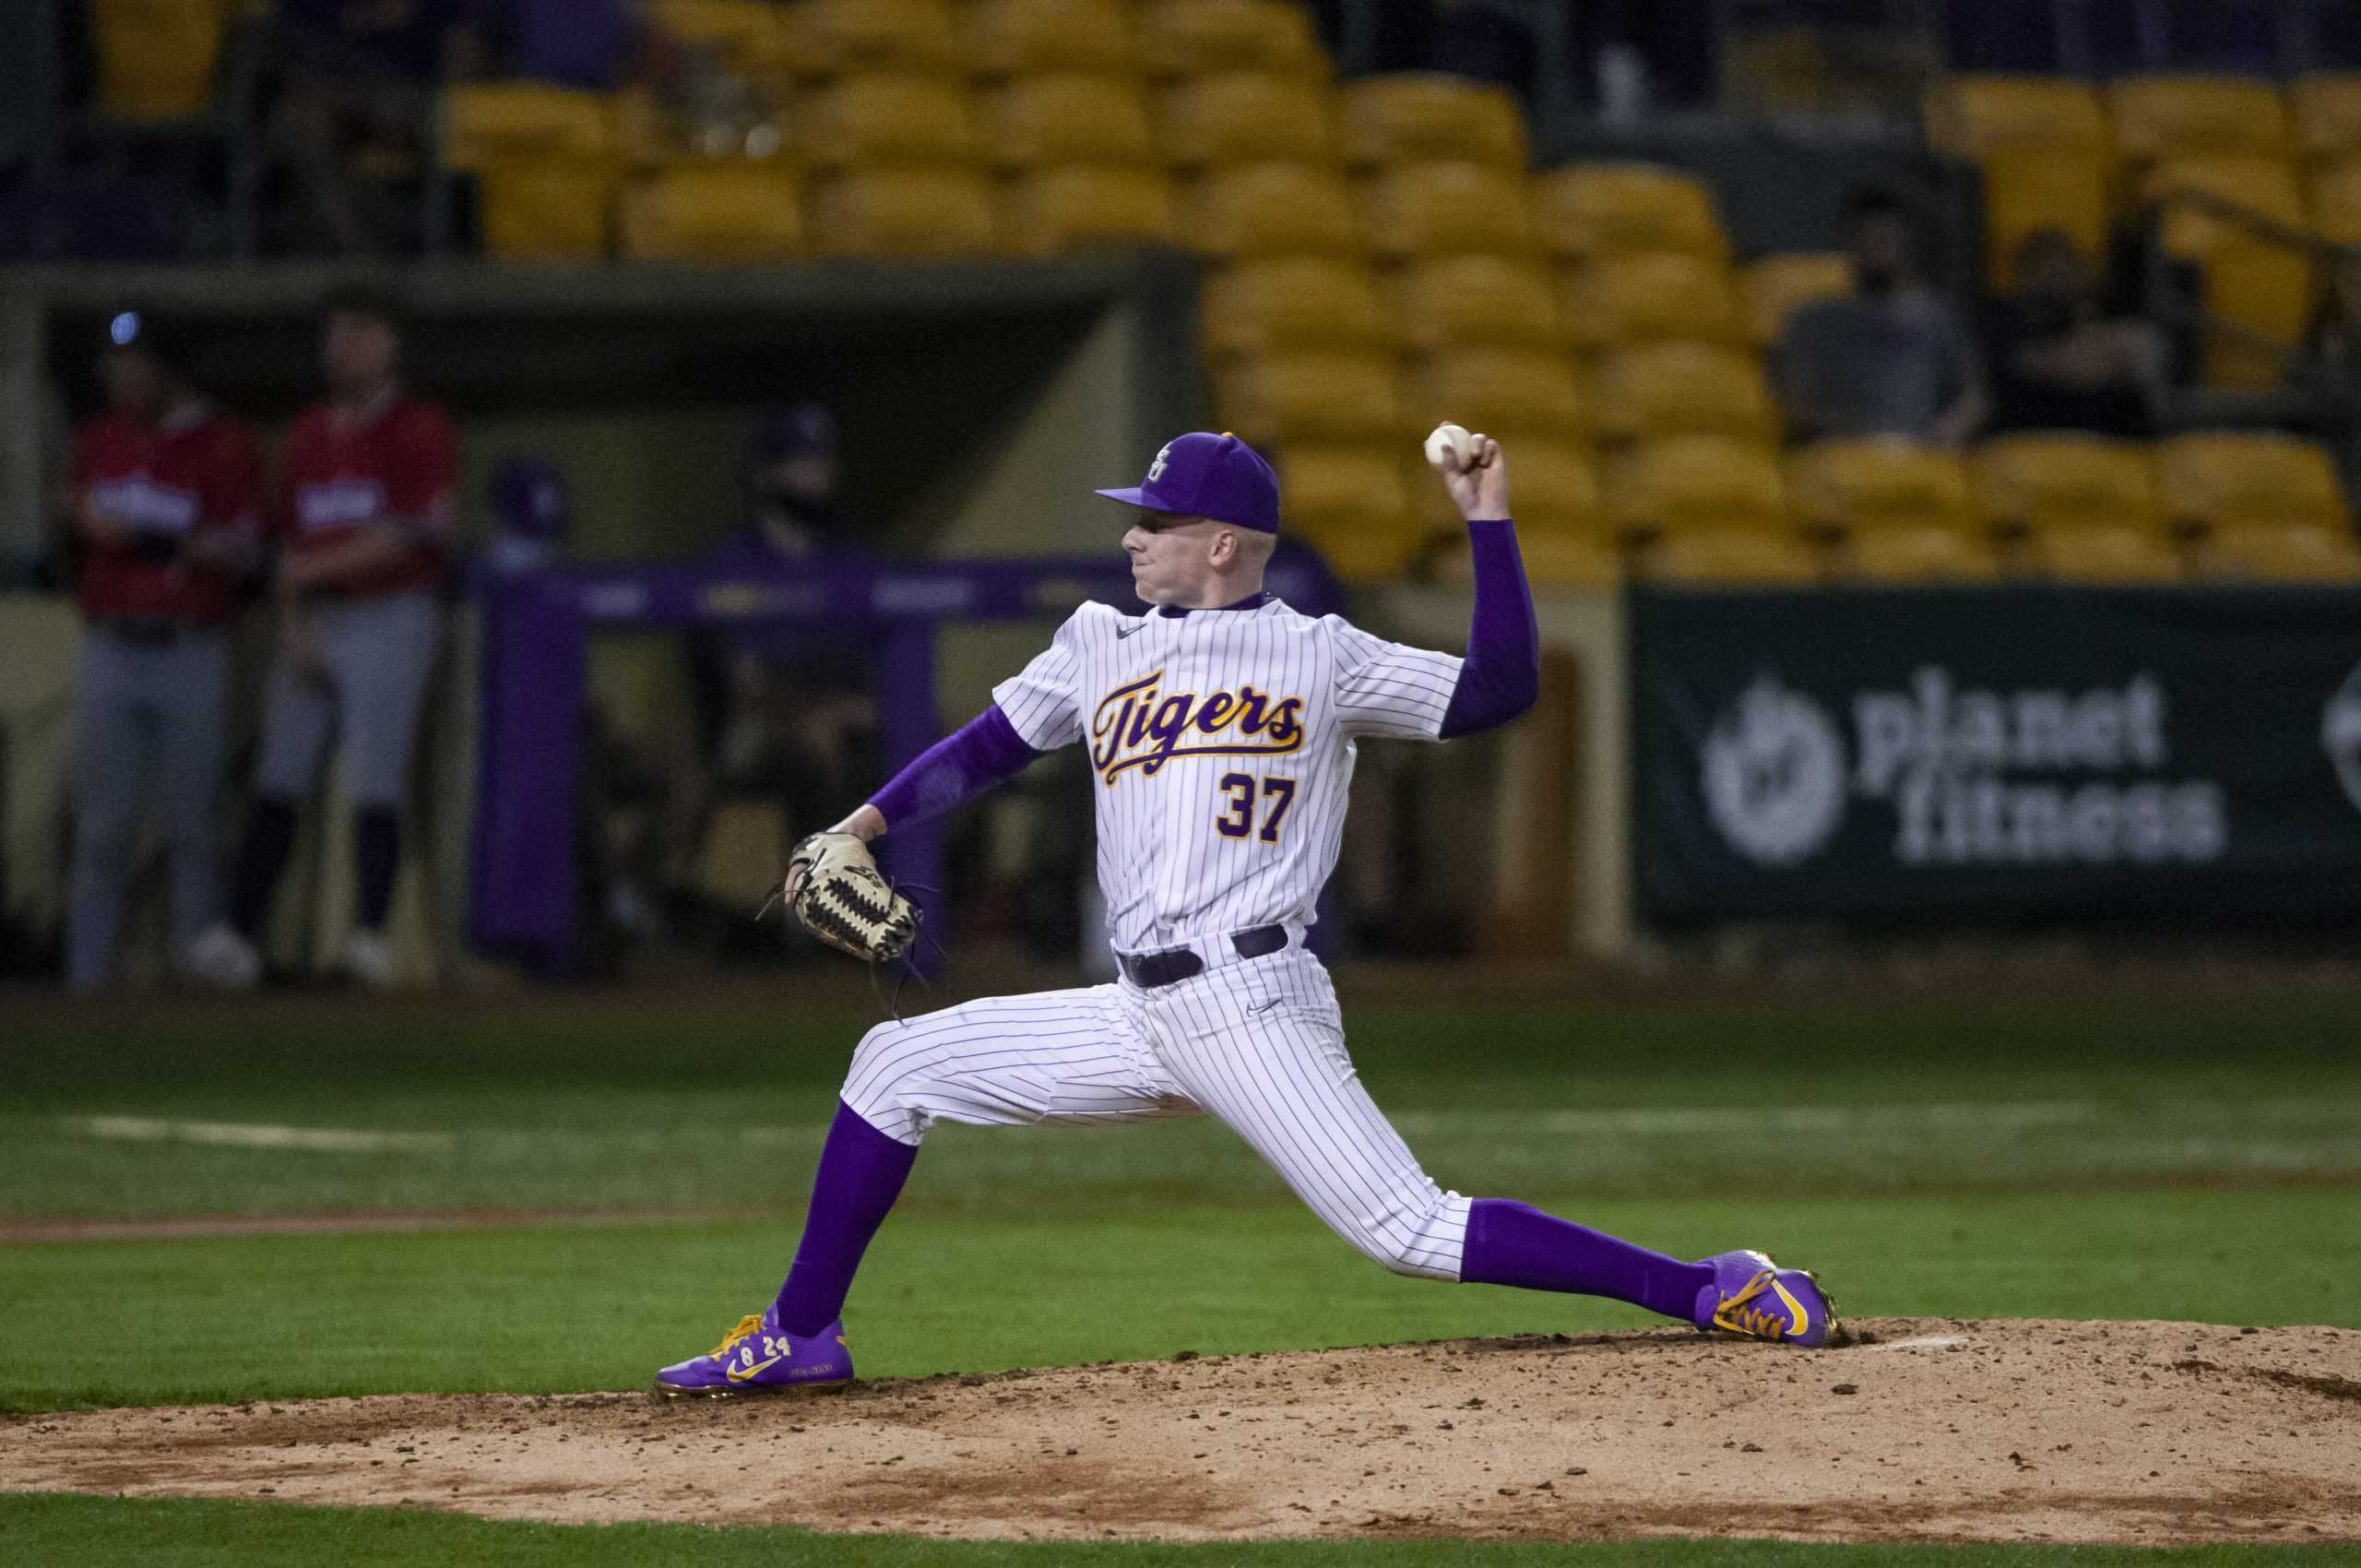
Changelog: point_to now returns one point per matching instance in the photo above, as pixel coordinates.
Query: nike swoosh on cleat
(737, 1376)
(1802, 1320)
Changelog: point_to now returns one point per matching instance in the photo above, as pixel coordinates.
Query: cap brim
(1133, 496)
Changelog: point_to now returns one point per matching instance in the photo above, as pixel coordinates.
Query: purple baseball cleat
(759, 1357)
(1752, 1296)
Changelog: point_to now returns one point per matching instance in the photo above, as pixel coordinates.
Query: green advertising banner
(2184, 755)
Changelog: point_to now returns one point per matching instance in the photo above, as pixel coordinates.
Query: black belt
(1148, 970)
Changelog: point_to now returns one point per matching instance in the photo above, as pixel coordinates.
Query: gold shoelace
(748, 1326)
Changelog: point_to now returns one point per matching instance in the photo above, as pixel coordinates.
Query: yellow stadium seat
(1316, 395)
(484, 121)
(2042, 145)
(1585, 208)
(834, 36)
(1693, 482)
(554, 206)
(1438, 209)
(1858, 486)
(2283, 553)
(1339, 478)
(1505, 392)
(1288, 302)
(905, 209)
(1189, 38)
(1974, 115)
(2335, 195)
(1729, 557)
(1065, 117)
(1651, 390)
(1004, 38)
(545, 162)
(2327, 109)
(1917, 554)
(1430, 116)
(748, 34)
(2049, 481)
(156, 59)
(1244, 117)
(2168, 117)
(1648, 296)
(2104, 552)
(1350, 501)
(722, 210)
(2223, 480)
(2027, 190)
(1553, 486)
(887, 118)
(2262, 288)
(1272, 209)
(1063, 206)
(1445, 299)
(1778, 285)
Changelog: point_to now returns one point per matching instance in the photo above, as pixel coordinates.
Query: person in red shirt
(363, 524)
(162, 513)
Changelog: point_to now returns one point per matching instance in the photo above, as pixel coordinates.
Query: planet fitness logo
(1775, 773)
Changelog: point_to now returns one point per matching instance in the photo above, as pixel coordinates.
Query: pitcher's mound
(2133, 1432)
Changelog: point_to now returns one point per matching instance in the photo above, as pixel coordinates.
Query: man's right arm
(1033, 713)
(982, 752)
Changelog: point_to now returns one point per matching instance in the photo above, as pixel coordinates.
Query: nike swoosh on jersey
(1123, 632)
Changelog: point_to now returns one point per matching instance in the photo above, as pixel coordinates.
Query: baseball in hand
(1447, 439)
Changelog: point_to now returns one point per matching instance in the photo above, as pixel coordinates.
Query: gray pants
(142, 713)
(379, 653)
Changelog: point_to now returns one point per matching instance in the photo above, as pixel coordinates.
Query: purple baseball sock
(861, 1173)
(1514, 1243)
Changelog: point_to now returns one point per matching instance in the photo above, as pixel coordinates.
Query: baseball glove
(834, 892)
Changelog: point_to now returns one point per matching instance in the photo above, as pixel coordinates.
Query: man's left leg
(1261, 1045)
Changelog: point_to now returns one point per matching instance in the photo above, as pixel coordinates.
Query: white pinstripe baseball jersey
(1222, 743)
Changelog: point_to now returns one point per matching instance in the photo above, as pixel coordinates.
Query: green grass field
(2113, 1154)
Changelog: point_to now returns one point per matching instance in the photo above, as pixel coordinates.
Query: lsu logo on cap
(1156, 469)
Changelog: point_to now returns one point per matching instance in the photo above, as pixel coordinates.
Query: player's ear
(1225, 547)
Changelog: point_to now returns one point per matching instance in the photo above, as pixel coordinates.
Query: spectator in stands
(358, 76)
(364, 521)
(1890, 359)
(783, 709)
(161, 514)
(2059, 362)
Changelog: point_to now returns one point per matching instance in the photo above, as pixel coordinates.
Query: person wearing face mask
(2059, 362)
(1891, 358)
(783, 709)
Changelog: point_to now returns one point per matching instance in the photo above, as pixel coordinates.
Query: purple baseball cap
(1205, 475)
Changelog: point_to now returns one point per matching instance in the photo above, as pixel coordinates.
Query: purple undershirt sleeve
(1501, 675)
(982, 753)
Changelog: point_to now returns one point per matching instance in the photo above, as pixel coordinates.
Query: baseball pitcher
(1221, 728)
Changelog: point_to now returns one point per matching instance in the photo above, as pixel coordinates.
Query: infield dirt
(2129, 1432)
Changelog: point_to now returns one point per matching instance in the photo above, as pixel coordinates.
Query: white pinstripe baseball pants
(1259, 1043)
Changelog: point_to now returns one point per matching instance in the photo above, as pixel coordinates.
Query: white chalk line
(1861, 1122)
(260, 1135)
